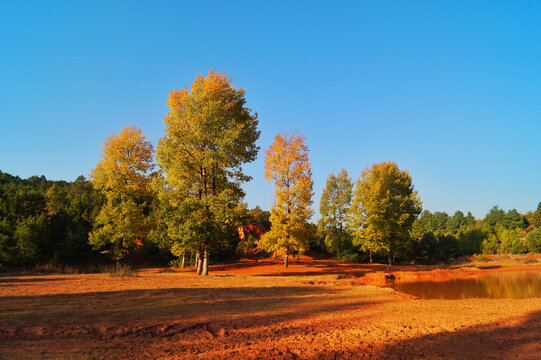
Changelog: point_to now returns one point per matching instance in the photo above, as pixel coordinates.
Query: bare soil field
(316, 309)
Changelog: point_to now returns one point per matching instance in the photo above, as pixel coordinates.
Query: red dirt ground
(316, 309)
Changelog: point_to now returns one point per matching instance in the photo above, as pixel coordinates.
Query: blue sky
(450, 91)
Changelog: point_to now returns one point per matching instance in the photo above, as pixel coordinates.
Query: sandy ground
(317, 309)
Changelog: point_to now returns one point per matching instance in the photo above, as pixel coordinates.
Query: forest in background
(48, 222)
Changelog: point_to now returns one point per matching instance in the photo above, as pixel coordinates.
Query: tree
(422, 225)
(469, 221)
(334, 209)
(439, 222)
(497, 218)
(533, 240)
(536, 216)
(455, 222)
(260, 218)
(122, 176)
(511, 241)
(287, 165)
(210, 135)
(384, 209)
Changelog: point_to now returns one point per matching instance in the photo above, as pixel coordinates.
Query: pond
(497, 285)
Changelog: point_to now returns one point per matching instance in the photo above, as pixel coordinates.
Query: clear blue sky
(450, 91)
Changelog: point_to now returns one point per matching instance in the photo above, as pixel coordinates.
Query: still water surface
(497, 285)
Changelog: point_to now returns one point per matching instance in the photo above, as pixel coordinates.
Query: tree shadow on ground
(172, 304)
(485, 341)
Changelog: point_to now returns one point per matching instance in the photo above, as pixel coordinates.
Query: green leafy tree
(536, 216)
(334, 209)
(512, 241)
(533, 240)
(287, 165)
(123, 177)
(384, 208)
(470, 239)
(210, 135)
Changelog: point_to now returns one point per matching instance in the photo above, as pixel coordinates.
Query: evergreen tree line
(44, 221)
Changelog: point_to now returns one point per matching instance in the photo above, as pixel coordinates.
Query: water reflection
(498, 285)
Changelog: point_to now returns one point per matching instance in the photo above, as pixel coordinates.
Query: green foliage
(244, 246)
(432, 247)
(384, 209)
(490, 245)
(497, 217)
(43, 220)
(334, 209)
(505, 241)
(455, 223)
(533, 240)
(210, 135)
(536, 216)
(258, 217)
(469, 241)
(122, 177)
(287, 166)
(512, 241)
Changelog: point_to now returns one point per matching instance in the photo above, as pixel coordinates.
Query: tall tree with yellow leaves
(210, 135)
(384, 209)
(287, 165)
(123, 177)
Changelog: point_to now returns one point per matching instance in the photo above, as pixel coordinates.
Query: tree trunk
(389, 257)
(117, 266)
(183, 259)
(199, 263)
(286, 259)
(370, 254)
(206, 263)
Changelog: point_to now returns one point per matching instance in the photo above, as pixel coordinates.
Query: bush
(482, 258)
(47, 269)
(123, 270)
(348, 256)
(177, 263)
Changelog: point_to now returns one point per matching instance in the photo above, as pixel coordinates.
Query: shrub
(122, 270)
